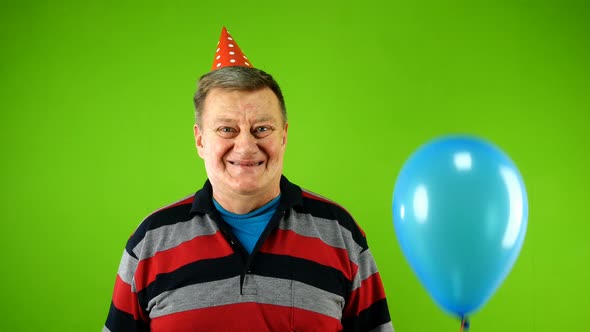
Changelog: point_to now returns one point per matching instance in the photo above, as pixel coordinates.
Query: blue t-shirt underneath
(248, 227)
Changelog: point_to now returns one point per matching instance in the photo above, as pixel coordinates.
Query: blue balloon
(460, 214)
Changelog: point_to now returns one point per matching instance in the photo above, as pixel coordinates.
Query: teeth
(246, 164)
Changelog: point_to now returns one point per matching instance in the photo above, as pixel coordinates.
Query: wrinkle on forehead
(223, 106)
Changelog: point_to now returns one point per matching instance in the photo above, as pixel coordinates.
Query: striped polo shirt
(311, 270)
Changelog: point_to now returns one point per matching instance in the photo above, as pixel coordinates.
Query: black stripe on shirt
(302, 270)
(194, 273)
(164, 217)
(120, 321)
(375, 315)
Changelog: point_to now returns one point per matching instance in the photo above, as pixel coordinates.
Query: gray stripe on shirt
(258, 289)
(367, 267)
(170, 236)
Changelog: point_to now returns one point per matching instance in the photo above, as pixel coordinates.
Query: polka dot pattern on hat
(228, 53)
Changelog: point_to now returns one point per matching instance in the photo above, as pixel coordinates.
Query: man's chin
(247, 188)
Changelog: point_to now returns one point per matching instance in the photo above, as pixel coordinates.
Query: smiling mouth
(238, 163)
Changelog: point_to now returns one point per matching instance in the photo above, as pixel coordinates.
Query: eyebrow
(264, 118)
(224, 120)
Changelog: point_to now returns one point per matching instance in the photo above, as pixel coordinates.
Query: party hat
(229, 53)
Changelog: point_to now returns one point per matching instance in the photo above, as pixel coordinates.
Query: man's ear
(285, 133)
(198, 133)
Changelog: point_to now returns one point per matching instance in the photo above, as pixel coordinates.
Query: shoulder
(173, 213)
(325, 208)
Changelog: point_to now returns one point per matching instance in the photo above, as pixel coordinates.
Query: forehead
(237, 104)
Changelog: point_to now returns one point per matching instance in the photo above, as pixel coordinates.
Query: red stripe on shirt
(289, 243)
(125, 300)
(370, 291)
(308, 194)
(188, 200)
(248, 316)
(199, 248)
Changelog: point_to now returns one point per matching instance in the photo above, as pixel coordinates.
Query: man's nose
(245, 143)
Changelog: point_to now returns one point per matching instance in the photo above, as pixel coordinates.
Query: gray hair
(236, 78)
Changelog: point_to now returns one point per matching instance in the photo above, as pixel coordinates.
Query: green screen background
(96, 116)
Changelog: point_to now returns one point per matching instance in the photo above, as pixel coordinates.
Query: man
(250, 251)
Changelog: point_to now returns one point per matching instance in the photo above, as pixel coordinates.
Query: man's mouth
(246, 163)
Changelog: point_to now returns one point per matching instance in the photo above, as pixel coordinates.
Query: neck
(244, 203)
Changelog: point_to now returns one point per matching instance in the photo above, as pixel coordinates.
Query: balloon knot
(465, 323)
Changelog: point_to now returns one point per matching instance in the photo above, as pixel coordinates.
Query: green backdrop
(96, 116)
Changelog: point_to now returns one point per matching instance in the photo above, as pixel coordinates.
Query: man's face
(242, 139)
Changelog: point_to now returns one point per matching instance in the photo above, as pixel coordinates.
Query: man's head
(241, 132)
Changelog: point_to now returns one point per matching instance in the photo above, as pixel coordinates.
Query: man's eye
(262, 131)
(226, 131)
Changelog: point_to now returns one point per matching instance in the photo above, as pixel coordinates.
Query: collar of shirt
(291, 195)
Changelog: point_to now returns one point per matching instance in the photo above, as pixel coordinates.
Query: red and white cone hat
(229, 53)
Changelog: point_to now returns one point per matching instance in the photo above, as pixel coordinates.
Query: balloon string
(464, 324)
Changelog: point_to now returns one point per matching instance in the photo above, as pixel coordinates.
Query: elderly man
(250, 251)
